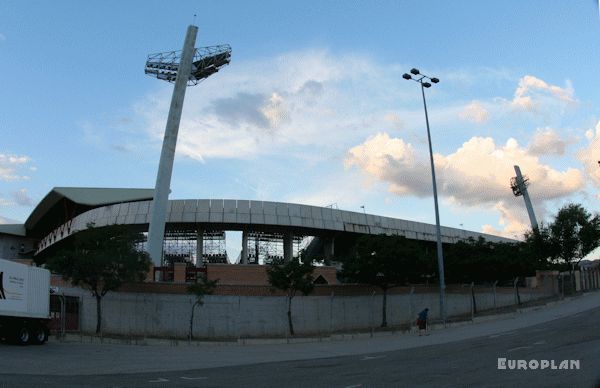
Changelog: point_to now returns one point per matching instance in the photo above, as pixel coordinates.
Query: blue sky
(313, 108)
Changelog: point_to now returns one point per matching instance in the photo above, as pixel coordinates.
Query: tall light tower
(519, 184)
(423, 80)
(186, 67)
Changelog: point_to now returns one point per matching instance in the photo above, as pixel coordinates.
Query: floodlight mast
(519, 185)
(182, 69)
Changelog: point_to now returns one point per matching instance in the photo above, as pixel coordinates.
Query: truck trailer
(24, 303)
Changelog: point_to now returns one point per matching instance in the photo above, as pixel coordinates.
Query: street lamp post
(423, 80)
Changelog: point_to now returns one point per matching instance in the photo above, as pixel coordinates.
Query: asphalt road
(466, 362)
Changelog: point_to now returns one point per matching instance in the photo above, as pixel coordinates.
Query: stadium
(196, 229)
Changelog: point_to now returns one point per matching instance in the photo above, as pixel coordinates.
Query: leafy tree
(573, 234)
(292, 277)
(537, 246)
(385, 262)
(485, 261)
(101, 260)
(199, 289)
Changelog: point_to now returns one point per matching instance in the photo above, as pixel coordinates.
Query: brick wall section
(256, 275)
(179, 272)
(231, 274)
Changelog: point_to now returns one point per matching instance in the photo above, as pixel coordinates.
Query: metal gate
(64, 314)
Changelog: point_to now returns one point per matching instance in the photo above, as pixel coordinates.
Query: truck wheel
(40, 335)
(23, 336)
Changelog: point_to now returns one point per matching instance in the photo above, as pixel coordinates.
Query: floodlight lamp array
(207, 61)
(518, 186)
(417, 76)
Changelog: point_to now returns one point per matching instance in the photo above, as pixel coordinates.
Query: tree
(573, 234)
(292, 277)
(101, 260)
(199, 289)
(385, 262)
(479, 260)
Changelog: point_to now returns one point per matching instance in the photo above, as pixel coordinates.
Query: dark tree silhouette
(292, 277)
(199, 289)
(385, 262)
(101, 260)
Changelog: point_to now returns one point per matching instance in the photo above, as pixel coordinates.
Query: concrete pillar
(288, 247)
(244, 258)
(156, 230)
(329, 246)
(199, 248)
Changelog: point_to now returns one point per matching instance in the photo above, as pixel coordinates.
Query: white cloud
(304, 100)
(475, 112)
(533, 92)
(476, 175)
(395, 120)
(5, 220)
(22, 198)
(590, 155)
(10, 165)
(275, 110)
(513, 219)
(345, 190)
(19, 197)
(547, 142)
(392, 161)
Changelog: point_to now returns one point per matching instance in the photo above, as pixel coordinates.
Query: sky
(313, 108)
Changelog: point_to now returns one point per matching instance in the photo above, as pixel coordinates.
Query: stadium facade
(196, 228)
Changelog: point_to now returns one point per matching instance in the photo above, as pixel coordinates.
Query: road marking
(354, 386)
(501, 334)
(542, 342)
(519, 348)
(194, 378)
(371, 358)
(159, 380)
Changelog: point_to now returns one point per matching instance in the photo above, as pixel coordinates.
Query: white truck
(24, 303)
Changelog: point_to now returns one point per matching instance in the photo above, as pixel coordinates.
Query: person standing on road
(422, 320)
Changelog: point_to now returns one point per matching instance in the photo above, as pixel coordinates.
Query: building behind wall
(14, 245)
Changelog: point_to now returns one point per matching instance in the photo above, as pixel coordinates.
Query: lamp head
(435, 80)
(414, 71)
(406, 76)
(426, 84)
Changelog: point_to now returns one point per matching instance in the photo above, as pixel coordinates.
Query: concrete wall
(222, 316)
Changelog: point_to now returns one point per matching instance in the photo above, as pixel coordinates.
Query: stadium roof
(14, 229)
(86, 197)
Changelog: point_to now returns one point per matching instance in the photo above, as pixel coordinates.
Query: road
(445, 358)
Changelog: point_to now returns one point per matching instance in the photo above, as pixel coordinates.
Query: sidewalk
(64, 358)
